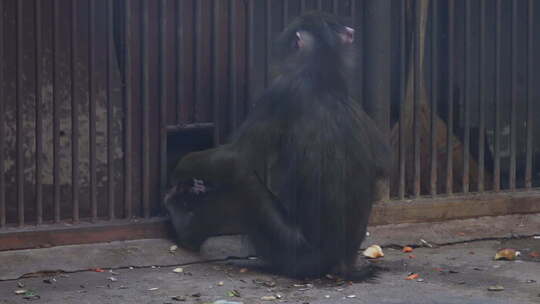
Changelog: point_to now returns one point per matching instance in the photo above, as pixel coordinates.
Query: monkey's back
(324, 171)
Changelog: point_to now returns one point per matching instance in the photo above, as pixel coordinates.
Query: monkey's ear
(299, 41)
(303, 40)
(347, 36)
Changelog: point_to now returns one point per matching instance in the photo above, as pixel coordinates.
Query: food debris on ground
(407, 249)
(373, 252)
(508, 254)
(496, 288)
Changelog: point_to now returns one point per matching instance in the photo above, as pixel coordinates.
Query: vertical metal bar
(197, 45)
(2, 123)
(251, 44)
(466, 101)
(530, 86)
(285, 13)
(434, 95)
(92, 110)
(110, 148)
(179, 57)
(450, 124)
(335, 7)
(353, 14)
(403, 94)
(128, 176)
(74, 115)
(513, 101)
(360, 38)
(268, 41)
(56, 116)
(319, 4)
(482, 99)
(497, 160)
(39, 114)
(302, 6)
(163, 99)
(233, 64)
(19, 131)
(416, 102)
(215, 46)
(145, 110)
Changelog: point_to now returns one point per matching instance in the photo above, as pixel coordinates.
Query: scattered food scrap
(373, 252)
(496, 288)
(234, 293)
(508, 254)
(407, 249)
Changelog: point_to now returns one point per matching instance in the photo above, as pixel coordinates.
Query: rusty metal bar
(92, 110)
(450, 123)
(128, 175)
(163, 100)
(145, 109)
(56, 116)
(110, 75)
(403, 95)
(497, 135)
(513, 100)
(19, 131)
(434, 95)
(39, 114)
(530, 86)
(482, 99)
(233, 63)
(416, 103)
(466, 101)
(2, 123)
(74, 115)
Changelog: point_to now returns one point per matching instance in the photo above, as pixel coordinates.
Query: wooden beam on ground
(455, 207)
(83, 233)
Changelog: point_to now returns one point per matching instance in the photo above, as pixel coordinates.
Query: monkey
(298, 177)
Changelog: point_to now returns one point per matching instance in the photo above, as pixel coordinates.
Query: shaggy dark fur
(299, 175)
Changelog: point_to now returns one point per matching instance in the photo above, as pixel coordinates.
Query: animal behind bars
(299, 175)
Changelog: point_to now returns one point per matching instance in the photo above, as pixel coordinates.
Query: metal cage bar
(75, 165)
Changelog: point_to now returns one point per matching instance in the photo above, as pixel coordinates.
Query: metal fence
(99, 97)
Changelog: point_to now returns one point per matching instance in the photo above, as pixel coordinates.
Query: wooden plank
(455, 207)
(85, 233)
(394, 212)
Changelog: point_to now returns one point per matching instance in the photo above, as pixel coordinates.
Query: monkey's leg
(280, 242)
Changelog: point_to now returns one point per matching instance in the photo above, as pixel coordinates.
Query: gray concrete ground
(458, 268)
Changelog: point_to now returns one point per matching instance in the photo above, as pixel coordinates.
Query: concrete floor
(458, 269)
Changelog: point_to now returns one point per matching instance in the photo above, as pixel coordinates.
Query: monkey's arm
(219, 164)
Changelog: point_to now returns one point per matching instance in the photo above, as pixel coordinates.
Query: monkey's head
(315, 34)
(186, 202)
(199, 209)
